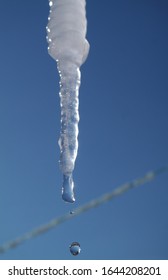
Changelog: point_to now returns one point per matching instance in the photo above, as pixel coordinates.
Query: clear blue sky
(123, 132)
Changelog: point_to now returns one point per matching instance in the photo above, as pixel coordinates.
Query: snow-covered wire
(86, 207)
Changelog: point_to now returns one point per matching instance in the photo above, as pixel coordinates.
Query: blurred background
(123, 132)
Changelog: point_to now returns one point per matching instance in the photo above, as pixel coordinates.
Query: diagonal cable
(91, 204)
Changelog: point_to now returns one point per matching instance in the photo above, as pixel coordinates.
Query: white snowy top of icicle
(67, 30)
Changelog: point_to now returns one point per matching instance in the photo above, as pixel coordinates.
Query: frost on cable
(66, 31)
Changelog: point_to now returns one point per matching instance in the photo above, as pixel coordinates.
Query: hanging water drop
(50, 3)
(67, 189)
(75, 248)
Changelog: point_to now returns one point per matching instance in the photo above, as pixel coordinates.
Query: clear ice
(68, 141)
(66, 31)
(68, 189)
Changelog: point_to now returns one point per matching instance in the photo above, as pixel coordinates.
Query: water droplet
(75, 248)
(67, 188)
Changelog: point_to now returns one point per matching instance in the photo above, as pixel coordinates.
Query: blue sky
(123, 132)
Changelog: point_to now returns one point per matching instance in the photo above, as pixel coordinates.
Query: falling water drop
(75, 248)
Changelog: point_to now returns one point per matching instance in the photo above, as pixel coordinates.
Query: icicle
(68, 46)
